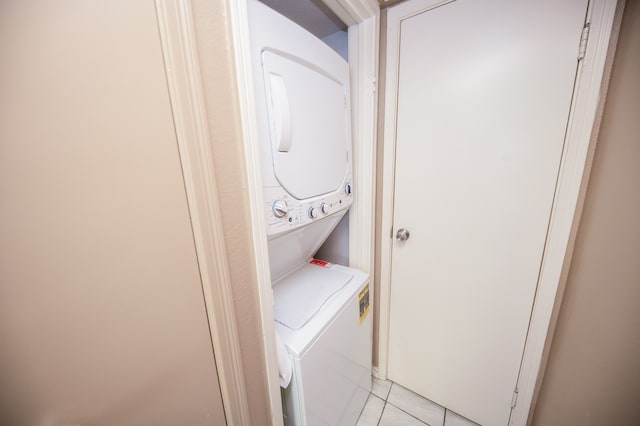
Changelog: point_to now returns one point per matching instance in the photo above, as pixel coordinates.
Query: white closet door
(484, 94)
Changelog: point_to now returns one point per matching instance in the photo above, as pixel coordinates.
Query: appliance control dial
(348, 189)
(313, 212)
(325, 208)
(280, 208)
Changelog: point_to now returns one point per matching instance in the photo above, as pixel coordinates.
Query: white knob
(313, 212)
(325, 208)
(347, 189)
(279, 208)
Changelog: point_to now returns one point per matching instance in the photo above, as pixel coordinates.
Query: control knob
(313, 212)
(279, 208)
(347, 189)
(325, 208)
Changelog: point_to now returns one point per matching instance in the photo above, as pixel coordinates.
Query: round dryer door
(309, 123)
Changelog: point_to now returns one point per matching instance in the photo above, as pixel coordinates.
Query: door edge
(604, 18)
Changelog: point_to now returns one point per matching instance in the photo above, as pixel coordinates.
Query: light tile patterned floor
(390, 404)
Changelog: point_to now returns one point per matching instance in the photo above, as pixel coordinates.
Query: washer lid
(309, 123)
(300, 295)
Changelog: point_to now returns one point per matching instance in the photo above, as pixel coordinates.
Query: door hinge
(514, 399)
(374, 84)
(584, 38)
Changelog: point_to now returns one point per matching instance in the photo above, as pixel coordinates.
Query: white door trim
(182, 68)
(244, 75)
(363, 18)
(363, 63)
(580, 139)
(582, 133)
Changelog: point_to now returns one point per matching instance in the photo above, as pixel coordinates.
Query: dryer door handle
(282, 113)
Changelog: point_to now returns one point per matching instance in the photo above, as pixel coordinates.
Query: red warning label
(319, 262)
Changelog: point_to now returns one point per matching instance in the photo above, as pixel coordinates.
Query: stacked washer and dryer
(321, 310)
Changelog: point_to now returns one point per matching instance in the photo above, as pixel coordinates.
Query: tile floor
(390, 404)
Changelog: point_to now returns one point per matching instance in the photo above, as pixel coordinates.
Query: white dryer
(321, 310)
(302, 96)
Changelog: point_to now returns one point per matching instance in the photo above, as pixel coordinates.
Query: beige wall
(102, 318)
(215, 50)
(382, 72)
(593, 372)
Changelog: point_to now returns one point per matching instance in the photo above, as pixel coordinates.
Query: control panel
(284, 213)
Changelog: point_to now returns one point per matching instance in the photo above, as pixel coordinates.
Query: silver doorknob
(402, 235)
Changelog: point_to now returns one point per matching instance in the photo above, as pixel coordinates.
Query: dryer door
(309, 124)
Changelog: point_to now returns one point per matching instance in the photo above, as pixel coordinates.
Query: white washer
(322, 316)
(321, 312)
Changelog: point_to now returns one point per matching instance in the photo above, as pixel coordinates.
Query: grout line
(381, 413)
(385, 400)
(409, 414)
(390, 387)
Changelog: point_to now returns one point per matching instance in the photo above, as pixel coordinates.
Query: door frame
(604, 17)
(362, 17)
(177, 34)
(178, 40)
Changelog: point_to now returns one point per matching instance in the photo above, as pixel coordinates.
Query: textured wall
(102, 318)
(593, 373)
